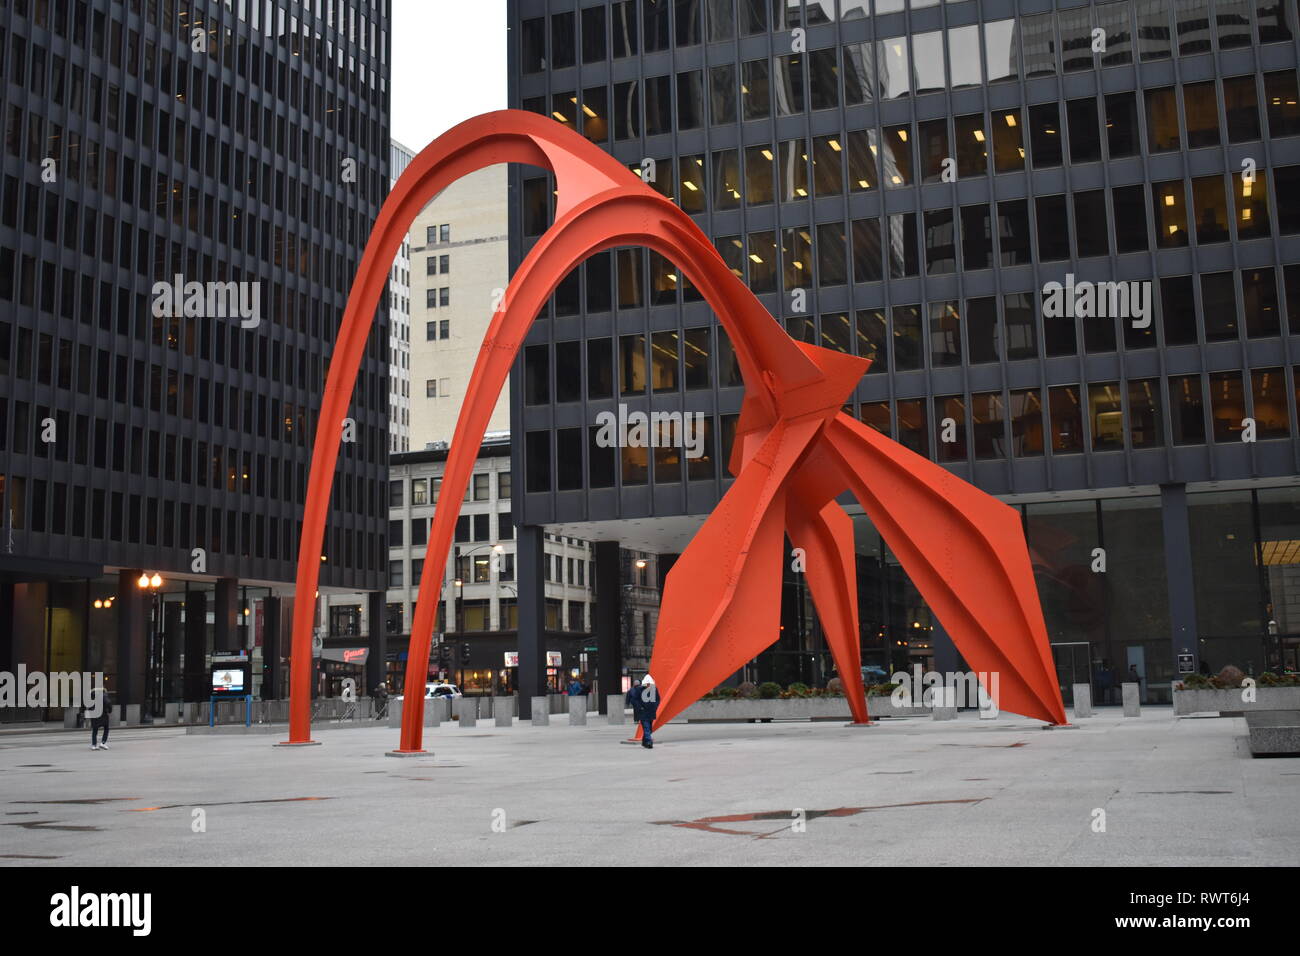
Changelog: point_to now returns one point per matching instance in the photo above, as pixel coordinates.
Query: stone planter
(1229, 701)
(884, 706)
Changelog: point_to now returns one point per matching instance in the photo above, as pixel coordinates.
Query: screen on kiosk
(228, 680)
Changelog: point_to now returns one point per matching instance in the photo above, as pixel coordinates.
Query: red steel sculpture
(795, 452)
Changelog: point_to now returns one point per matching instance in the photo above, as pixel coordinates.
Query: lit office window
(1026, 412)
(1008, 145)
(828, 165)
(1250, 196)
(1169, 201)
(1045, 135)
(758, 175)
(1227, 406)
(863, 150)
(1269, 403)
(1067, 419)
(898, 156)
(1211, 205)
(1259, 296)
(1201, 114)
(872, 336)
(972, 145)
(932, 140)
(950, 427)
(1146, 423)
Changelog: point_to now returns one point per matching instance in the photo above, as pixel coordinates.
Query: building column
(196, 646)
(529, 555)
(7, 662)
(608, 621)
(171, 662)
(1178, 575)
(132, 643)
(376, 660)
(225, 636)
(271, 621)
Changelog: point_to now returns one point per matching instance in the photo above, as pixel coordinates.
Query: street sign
(1185, 664)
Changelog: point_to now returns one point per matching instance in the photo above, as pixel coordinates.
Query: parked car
(434, 690)
(874, 675)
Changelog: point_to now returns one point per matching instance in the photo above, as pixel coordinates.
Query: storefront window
(1229, 604)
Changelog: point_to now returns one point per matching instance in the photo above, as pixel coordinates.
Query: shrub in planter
(1269, 679)
(769, 690)
(747, 689)
(881, 690)
(1231, 676)
(835, 687)
(723, 693)
(1195, 682)
(798, 689)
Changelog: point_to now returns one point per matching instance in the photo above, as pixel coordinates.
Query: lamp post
(151, 583)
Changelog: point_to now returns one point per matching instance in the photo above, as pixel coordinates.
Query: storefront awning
(345, 655)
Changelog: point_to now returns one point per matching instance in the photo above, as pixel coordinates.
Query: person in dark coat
(633, 693)
(381, 701)
(104, 702)
(648, 711)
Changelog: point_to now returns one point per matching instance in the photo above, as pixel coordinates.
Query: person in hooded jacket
(104, 702)
(648, 709)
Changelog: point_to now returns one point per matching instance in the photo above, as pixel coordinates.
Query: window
(873, 338)
(1113, 19)
(828, 166)
(866, 251)
(1227, 406)
(792, 170)
(722, 94)
(1076, 40)
(1146, 424)
(1121, 125)
(893, 79)
(832, 265)
(1241, 107)
(1153, 29)
(1251, 199)
(1026, 409)
(1067, 419)
(907, 339)
(1045, 135)
(1269, 401)
(913, 427)
(1201, 114)
(988, 425)
(1013, 232)
(1192, 19)
(950, 427)
(396, 493)
(1130, 218)
(758, 174)
(1085, 142)
(754, 90)
(419, 491)
(927, 54)
(1283, 102)
(1105, 417)
(1187, 410)
(1000, 50)
(945, 334)
(534, 45)
(862, 149)
(898, 156)
(1233, 18)
(1020, 325)
(859, 74)
(1091, 233)
(1008, 148)
(976, 237)
(1178, 310)
(593, 34)
(1286, 182)
(981, 317)
(537, 375)
(902, 245)
(395, 574)
(1259, 295)
(1211, 204)
(1169, 202)
(823, 80)
(1162, 121)
(933, 142)
(1219, 306)
(690, 100)
(972, 145)
(1039, 40)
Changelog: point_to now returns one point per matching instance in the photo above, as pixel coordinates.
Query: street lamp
(152, 583)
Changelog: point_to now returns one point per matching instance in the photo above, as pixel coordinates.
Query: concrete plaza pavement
(906, 791)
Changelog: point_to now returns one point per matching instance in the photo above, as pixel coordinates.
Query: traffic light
(444, 654)
(464, 653)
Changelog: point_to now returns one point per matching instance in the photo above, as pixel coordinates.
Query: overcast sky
(449, 63)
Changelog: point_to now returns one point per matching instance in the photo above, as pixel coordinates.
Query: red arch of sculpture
(795, 452)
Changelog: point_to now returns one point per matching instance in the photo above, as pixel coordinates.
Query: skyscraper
(1067, 237)
(186, 191)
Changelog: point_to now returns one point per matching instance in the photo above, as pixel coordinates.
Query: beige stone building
(459, 269)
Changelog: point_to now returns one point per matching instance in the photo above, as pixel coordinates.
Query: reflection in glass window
(972, 145)
(1045, 135)
(695, 358)
(1219, 306)
(564, 109)
(1085, 141)
(1026, 412)
(933, 142)
(898, 156)
(828, 166)
(1250, 196)
(1162, 120)
(631, 278)
(1008, 147)
(758, 175)
(863, 150)
(1227, 406)
(976, 237)
(1192, 25)
(726, 179)
(562, 46)
(866, 251)
(1241, 106)
(902, 245)
(1130, 218)
(1060, 335)
(754, 89)
(595, 114)
(823, 80)
(945, 334)
(1067, 419)
(906, 321)
(1259, 296)
(1233, 18)
(627, 110)
(940, 242)
(1211, 206)
(894, 80)
(762, 261)
(753, 16)
(837, 333)
(593, 34)
(1170, 204)
(690, 99)
(1121, 125)
(690, 178)
(792, 171)
(658, 105)
(654, 24)
(625, 30)
(663, 361)
(1013, 232)
(1113, 18)
(664, 280)
(859, 74)
(875, 415)
(788, 88)
(913, 426)
(1153, 29)
(1146, 423)
(1283, 100)
(534, 44)
(988, 425)
(950, 427)
(796, 257)
(872, 338)
(600, 369)
(1105, 417)
(1178, 310)
(1076, 40)
(1039, 42)
(981, 317)
(1201, 114)
(732, 250)
(631, 364)
(722, 93)
(927, 54)
(1276, 21)
(1018, 322)
(1000, 50)
(1187, 410)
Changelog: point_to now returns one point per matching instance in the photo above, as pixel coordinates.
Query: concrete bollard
(132, 714)
(541, 711)
(944, 705)
(1132, 703)
(615, 704)
(70, 718)
(467, 709)
(502, 708)
(172, 713)
(988, 709)
(433, 712)
(1082, 700)
(578, 711)
(395, 712)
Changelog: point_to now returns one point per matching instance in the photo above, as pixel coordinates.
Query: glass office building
(229, 147)
(905, 181)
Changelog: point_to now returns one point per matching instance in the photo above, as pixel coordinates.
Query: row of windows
(903, 155)
(469, 528)
(1232, 24)
(424, 491)
(436, 234)
(55, 507)
(437, 330)
(436, 298)
(437, 265)
(1225, 407)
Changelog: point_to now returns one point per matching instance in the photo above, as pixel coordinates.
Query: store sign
(554, 659)
(345, 655)
(512, 658)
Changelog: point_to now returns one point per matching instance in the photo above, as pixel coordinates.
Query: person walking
(101, 720)
(381, 701)
(632, 694)
(648, 711)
